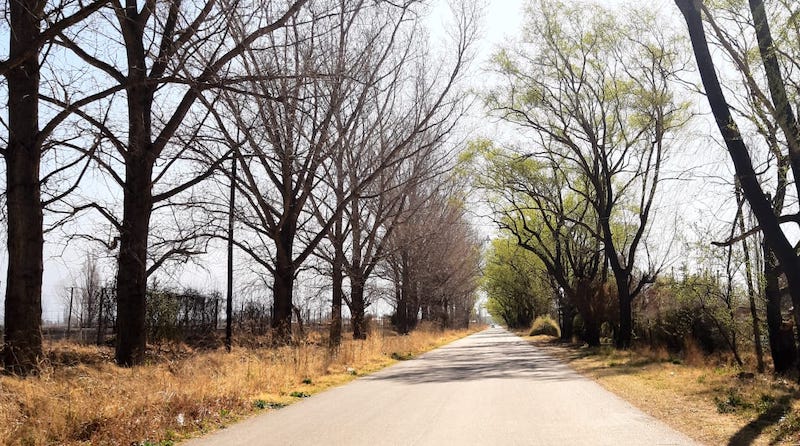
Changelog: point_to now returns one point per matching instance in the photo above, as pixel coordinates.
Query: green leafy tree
(517, 284)
(592, 91)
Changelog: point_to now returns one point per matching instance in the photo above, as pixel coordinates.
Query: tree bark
(337, 293)
(283, 286)
(132, 273)
(782, 347)
(751, 291)
(229, 291)
(357, 309)
(567, 314)
(22, 342)
(624, 334)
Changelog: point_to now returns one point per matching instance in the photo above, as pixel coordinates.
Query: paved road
(490, 388)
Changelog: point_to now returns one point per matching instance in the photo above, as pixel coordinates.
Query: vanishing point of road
(491, 388)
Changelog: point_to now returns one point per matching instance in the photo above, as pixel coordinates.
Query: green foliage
(731, 402)
(307, 381)
(544, 325)
(515, 281)
(298, 394)
(157, 443)
(692, 309)
(260, 404)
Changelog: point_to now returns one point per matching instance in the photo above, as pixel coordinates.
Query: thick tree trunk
(229, 291)
(337, 294)
(401, 315)
(625, 331)
(567, 323)
(357, 309)
(132, 273)
(781, 341)
(22, 342)
(591, 332)
(283, 287)
(22, 347)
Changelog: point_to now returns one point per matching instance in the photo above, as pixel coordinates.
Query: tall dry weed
(82, 398)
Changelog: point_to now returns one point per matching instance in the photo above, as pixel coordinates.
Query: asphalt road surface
(491, 388)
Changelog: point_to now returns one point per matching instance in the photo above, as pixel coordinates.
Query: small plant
(260, 404)
(402, 356)
(223, 413)
(765, 403)
(731, 402)
(307, 381)
(788, 426)
(544, 325)
(157, 443)
(297, 394)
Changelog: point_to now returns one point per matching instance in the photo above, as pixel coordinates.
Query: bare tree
(434, 260)
(173, 54)
(295, 124)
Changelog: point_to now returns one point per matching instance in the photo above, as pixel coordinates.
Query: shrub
(544, 325)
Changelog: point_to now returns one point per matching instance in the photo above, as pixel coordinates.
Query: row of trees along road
(595, 96)
(331, 111)
(594, 91)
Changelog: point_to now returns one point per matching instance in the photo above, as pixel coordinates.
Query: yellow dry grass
(706, 398)
(82, 398)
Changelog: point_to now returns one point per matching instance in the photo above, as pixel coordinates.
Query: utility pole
(229, 303)
(69, 315)
(100, 317)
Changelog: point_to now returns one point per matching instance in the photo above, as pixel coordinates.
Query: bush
(544, 325)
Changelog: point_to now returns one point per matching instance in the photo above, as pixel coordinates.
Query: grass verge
(716, 404)
(82, 398)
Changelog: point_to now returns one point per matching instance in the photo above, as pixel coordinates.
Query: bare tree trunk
(624, 334)
(229, 297)
(337, 266)
(22, 342)
(337, 293)
(357, 308)
(283, 287)
(751, 292)
(781, 341)
(132, 273)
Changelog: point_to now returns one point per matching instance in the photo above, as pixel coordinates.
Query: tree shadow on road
(491, 355)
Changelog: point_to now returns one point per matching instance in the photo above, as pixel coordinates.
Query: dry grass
(706, 398)
(82, 398)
